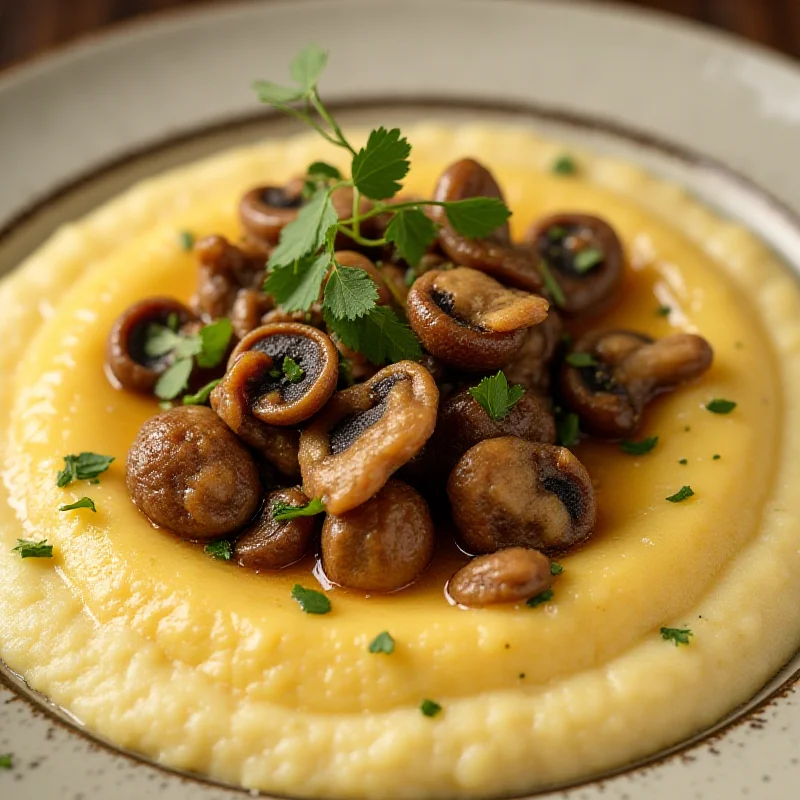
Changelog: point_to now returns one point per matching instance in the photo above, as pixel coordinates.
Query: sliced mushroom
(506, 576)
(532, 365)
(493, 254)
(625, 371)
(269, 544)
(512, 493)
(365, 433)
(127, 362)
(585, 258)
(276, 394)
(469, 320)
(381, 546)
(188, 472)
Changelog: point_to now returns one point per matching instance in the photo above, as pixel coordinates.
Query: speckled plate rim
(703, 82)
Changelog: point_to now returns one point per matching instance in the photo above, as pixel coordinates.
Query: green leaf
(720, 406)
(6, 761)
(292, 370)
(639, 448)
(30, 549)
(476, 217)
(311, 601)
(221, 549)
(382, 643)
(581, 360)
(284, 511)
(306, 234)
(588, 259)
(676, 635)
(716, 457)
(215, 339)
(200, 397)
(273, 94)
(84, 502)
(379, 336)
(160, 340)
(664, 311)
(555, 568)
(296, 287)
(684, 493)
(568, 429)
(564, 165)
(412, 232)
(430, 708)
(551, 284)
(495, 396)
(307, 66)
(379, 165)
(350, 293)
(186, 240)
(82, 467)
(543, 597)
(320, 169)
(174, 380)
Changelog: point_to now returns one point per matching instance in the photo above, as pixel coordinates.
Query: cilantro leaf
(543, 597)
(476, 217)
(588, 259)
(292, 370)
(638, 448)
(320, 169)
(568, 429)
(214, 339)
(311, 601)
(379, 336)
(430, 708)
(306, 234)
(720, 406)
(274, 94)
(676, 635)
(84, 502)
(350, 293)
(382, 643)
(284, 511)
(551, 284)
(172, 382)
(495, 396)
(684, 493)
(82, 467)
(186, 240)
(30, 549)
(200, 397)
(555, 568)
(296, 287)
(379, 165)
(307, 66)
(222, 549)
(581, 360)
(411, 231)
(6, 761)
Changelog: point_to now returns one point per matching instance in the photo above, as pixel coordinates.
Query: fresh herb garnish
(676, 635)
(430, 708)
(664, 311)
(221, 549)
(200, 397)
(84, 502)
(568, 429)
(716, 457)
(720, 406)
(587, 259)
(684, 493)
(82, 467)
(555, 233)
(186, 239)
(564, 165)
(30, 549)
(292, 370)
(283, 511)
(639, 448)
(495, 396)
(6, 761)
(551, 284)
(556, 568)
(382, 643)
(311, 601)
(581, 360)
(305, 254)
(683, 461)
(543, 597)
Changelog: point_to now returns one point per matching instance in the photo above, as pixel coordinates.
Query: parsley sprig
(27, 548)
(282, 511)
(305, 255)
(495, 396)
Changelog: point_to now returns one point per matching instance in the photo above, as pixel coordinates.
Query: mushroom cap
(509, 492)
(531, 366)
(265, 211)
(381, 546)
(187, 472)
(367, 432)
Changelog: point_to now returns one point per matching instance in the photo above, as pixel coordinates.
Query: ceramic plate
(718, 116)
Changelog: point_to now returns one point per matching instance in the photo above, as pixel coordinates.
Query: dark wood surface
(29, 27)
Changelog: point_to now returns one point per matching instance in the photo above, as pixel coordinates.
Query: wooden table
(29, 27)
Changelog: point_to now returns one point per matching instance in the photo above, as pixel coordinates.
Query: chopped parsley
(221, 549)
(587, 259)
(200, 397)
(84, 502)
(430, 708)
(664, 311)
(186, 239)
(720, 406)
(282, 511)
(568, 429)
(683, 461)
(581, 360)
(30, 549)
(684, 493)
(6, 760)
(495, 396)
(543, 597)
(555, 568)
(716, 457)
(292, 370)
(564, 165)
(82, 467)
(310, 600)
(552, 285)
(640, 448)
(382, 643)
(676, 635)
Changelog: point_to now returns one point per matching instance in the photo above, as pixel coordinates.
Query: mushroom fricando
(307, 444)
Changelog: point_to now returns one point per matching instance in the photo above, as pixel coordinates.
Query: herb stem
(382, 208)
(323, 112)
(357, 237)
(304, 117)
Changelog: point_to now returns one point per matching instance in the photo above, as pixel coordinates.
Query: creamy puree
(211, 668)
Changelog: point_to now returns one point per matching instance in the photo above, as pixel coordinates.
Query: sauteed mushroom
(469, 320)
(381, 546)
(584, 256)
(508, 492)
(365, 433)
(270, 544)
(250, 306)
(625, 371)
(493, 254)
(126, 358)
(531, 366)
(188, 472)
(506, 576)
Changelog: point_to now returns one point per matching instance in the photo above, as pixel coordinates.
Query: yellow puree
(211, 668)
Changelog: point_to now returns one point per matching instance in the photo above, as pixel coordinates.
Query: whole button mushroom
(187, 472)
(381, 546)
(624, 370)
(365, 433)
(585, 258)
(270, 544)
(512, 493)
(493, 254)
(506, 576)
(469, 320)
(127, 362)
(532, 365)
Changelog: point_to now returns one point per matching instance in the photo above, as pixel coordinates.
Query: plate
(705, 110)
